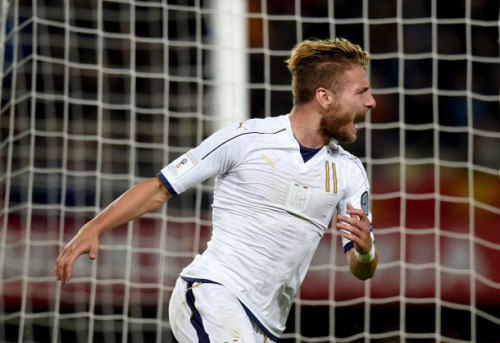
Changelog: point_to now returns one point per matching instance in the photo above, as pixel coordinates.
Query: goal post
(99, 95)
(230, 67)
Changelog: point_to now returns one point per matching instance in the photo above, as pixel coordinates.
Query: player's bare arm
(358, 226)
(144, 197)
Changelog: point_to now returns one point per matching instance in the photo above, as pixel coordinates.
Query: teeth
(356, 126)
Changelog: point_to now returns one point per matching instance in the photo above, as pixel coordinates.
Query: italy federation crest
(298, 197)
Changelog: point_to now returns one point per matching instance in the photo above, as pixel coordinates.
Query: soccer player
(278, 183)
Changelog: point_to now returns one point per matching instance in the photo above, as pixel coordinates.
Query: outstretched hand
(85, 242)
(144, 197)
(358, 227)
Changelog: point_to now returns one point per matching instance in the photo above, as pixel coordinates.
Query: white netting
(99, 95)
(96, 97)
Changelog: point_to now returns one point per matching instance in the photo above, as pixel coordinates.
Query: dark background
(97, 96)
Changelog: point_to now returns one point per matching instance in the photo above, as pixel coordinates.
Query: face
(353, 102)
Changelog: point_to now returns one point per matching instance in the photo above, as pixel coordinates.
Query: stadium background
(99, 95)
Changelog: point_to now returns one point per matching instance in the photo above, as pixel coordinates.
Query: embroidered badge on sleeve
(182, 165)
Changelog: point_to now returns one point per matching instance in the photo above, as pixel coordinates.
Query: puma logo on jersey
(265, 158)
(241, 126)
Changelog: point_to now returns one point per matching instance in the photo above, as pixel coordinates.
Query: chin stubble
(334, 128)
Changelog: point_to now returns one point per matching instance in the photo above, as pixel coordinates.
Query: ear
(324, 97)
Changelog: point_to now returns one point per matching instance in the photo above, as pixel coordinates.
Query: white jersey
(270, 210)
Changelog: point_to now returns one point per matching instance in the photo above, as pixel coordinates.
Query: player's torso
(273, 174)
(270, 211)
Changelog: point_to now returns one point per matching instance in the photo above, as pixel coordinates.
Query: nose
(370, 102)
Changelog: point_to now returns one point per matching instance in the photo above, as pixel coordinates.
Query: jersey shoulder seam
(241, 135)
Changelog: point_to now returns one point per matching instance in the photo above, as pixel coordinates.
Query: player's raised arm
(144, 197)
(363, 258)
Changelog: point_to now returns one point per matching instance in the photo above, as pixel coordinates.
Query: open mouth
(357, 120)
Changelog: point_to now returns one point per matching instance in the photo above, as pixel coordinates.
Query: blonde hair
(322, 63)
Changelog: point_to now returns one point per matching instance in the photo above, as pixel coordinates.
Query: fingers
(93, 251)
(355, 227)
(64, 264)
(351, 213)
(356, 212)
(352, 233)
(359, 223)
(355, 215)
(60, 267)
(363, 242)
(57, 269)
(68, 266)
(65, 261)
(359, 238)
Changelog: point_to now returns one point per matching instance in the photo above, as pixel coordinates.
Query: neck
(305, 121)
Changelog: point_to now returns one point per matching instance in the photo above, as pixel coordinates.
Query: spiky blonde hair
(322, 63)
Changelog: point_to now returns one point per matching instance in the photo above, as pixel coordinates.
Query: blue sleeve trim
(247, 133)
(167, 184)
(348, 247)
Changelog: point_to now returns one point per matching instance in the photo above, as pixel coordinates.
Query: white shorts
(208, 313)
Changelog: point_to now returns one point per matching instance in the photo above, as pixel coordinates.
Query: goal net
(99, 95)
